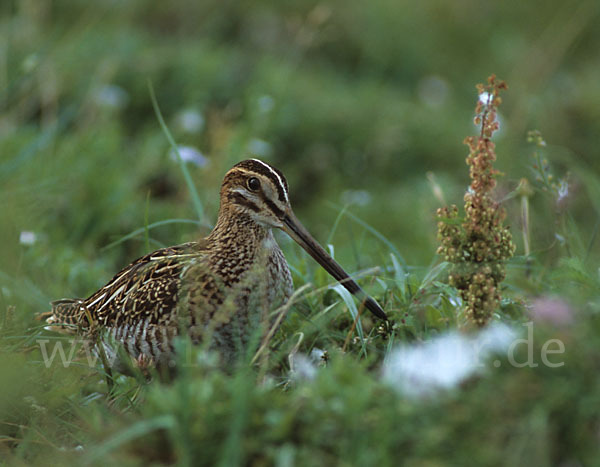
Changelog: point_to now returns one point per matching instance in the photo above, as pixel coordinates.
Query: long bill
(293, 227)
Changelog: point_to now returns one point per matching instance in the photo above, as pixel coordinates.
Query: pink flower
(551, 310)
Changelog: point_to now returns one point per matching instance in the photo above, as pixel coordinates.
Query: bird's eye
(254, 184)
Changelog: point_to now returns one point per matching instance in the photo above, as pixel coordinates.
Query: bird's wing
(146, 291)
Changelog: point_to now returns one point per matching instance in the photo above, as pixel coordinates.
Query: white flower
(265, 103)
(433, 90)
(302, 368)
(259, 147)
(318, 356)
(484, 97)
(190, 120)
(189, 154)
(27, 238)
(111, 96)
(445, 361)
(356, 197)
(563, 191)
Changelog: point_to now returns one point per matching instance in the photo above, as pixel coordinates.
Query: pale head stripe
(277, 176)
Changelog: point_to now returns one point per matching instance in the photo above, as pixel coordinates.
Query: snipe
(220, 288)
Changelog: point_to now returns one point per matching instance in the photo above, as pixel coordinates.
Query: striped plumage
(220, 288)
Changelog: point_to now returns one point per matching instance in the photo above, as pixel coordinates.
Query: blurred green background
(354, 103)
(363, 105)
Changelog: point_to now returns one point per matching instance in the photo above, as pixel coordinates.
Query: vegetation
(364, 109)
(480, 245)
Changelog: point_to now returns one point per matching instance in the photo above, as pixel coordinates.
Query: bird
(219, 289)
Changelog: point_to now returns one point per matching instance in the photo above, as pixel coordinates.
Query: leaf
(399, 275)
(349, 302)
(434, 273)
(434, 317)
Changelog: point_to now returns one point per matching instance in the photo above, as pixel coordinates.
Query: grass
(356, 113)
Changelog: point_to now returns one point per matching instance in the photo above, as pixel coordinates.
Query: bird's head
(259, 190)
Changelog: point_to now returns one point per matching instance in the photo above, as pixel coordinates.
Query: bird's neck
(235, 229)
(237, 245)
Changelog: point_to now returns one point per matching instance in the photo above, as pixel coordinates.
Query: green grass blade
(149, 227)
(375, 233)
(349, 302)
(399, 275)
(136, 430)
(336, 223)
(186, 174)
